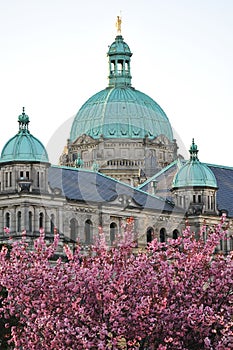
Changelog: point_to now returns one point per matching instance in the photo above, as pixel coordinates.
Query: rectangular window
(30, 221)
(38, 179)
(6, 179)
(27, 175)
(10, 178)
(42, 179)
(212, 203)
(199, 198)
(21, 174)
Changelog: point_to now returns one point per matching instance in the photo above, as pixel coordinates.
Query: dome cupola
(194, 173)
(119, 60)
(120, 111)
(24, 146)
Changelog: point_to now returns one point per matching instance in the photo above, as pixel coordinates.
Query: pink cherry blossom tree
(174, 295)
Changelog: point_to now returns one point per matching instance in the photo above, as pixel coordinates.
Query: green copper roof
(120, 111)
(24, 146)
(194, 173)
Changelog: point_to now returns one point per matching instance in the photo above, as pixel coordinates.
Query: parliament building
(120, 163)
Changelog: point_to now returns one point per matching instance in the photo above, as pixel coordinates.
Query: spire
(119, 60)
(193, 151)
(23, 121)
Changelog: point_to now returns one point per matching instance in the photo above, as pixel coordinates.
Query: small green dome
(24, 146)
(120, 111)
(119, 47)
(194, 173)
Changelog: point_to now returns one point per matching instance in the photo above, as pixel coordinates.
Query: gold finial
(118, 24)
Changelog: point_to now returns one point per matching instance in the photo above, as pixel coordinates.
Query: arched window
(149, 235)
(7, 220)
(30, 221)
(162, 235)
(41, 220)
(88, 231)
(113, 232)
(175, 234)
(19, 216)
(73, 229)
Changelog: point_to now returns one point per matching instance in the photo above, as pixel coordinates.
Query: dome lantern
(119, 60)
(23, 121)
(193, 151)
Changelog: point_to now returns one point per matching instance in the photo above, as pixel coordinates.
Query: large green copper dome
(24, 146)
(194, 173)
(120, 111)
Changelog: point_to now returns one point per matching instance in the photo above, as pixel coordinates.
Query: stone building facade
(120, 164)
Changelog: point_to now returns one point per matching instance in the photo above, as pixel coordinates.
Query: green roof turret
(194, 173)
(24, 146)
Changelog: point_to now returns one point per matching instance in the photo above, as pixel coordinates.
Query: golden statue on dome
(118, 24)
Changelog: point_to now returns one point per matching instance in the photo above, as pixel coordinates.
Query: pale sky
(53, 58)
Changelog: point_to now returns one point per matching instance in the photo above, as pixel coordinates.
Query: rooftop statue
(118, 24)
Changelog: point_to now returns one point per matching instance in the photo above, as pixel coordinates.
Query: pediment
(160, 140)
(84, 139)
(125, 201)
